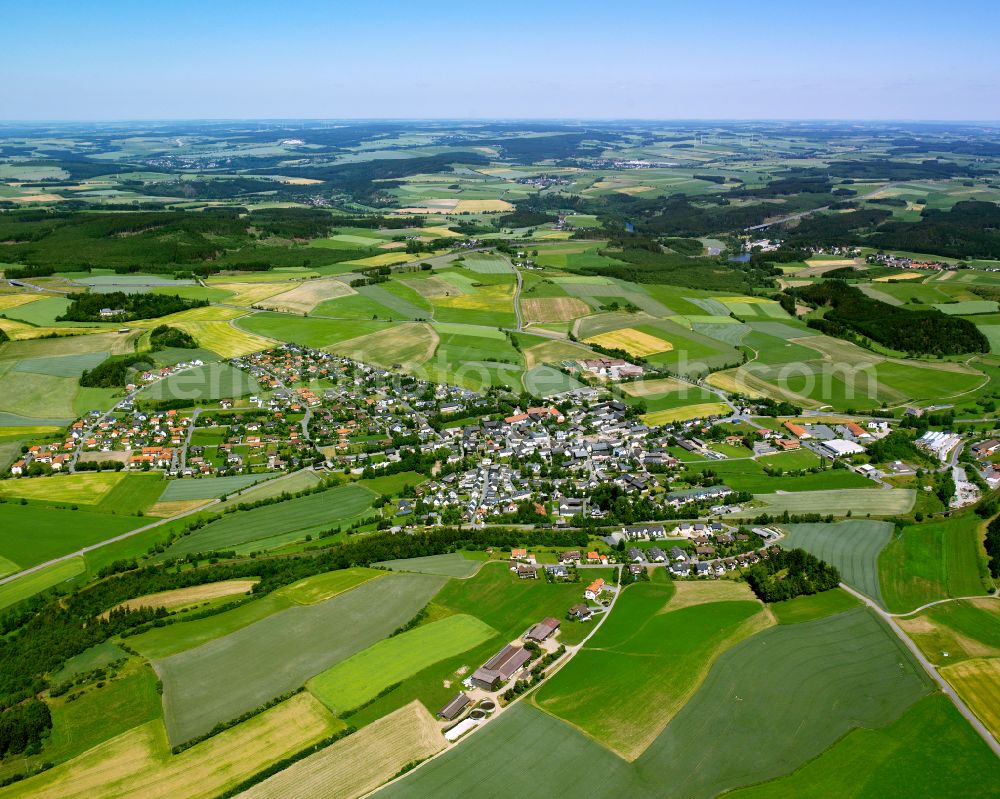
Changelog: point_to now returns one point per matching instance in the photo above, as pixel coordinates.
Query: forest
(786, 574)
(924, 332)
(126, 307)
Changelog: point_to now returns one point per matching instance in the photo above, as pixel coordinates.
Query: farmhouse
(501, 667)
(545, 629)
(454, 708)
(580, 612)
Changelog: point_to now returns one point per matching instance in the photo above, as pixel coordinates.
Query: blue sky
(148, 59)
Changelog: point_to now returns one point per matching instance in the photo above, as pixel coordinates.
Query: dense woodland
(927, 332)
(88, 307)
(786, 574)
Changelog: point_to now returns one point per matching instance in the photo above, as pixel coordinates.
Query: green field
(161, 642)
(209, 382)
(321, 587)
(61, 365)
(782, 697)
(860, 501)
(510, 605)
(100, 714)
(813, 606)
(32, 534)
(931, 561)
(354, 681)
(270, 525)
(41, 580)
(769, 705)
(231, 675)
(928, 753)
(451, 565)
(211, 487)
(853, 546)
(749, 475)
(642, 664)
(310, 332)
(96, 657)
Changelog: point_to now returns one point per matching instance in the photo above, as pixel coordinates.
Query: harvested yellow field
(18, 330)
(687, 594)
(37, 198)
(978, 683)
(85, 488)
(139, 763)
(192, 595)
(656, 388)
(252, 293)
(899, 276)
(486, 298)
(553, 309)
(699, 411)
(394, 245)
(632, 341)
(227, 340)
(208, 313)
(359, 763)
(634, 189)
(482, 207)
(13, 300)
(306, 296)
(388, 258)
(298, 181)
(439, 232)
(165, 510)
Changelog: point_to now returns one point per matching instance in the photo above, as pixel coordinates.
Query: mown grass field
(451, 565)
(928, 753)
(192, 595)
(361, 677)
(642, 665)
(211, 487)
(978, 683)
(271, 524)
(853, 546)
(860, 501)
(931, 561)
(813, 606)
(310, 332)
(749, 475)
(139, 763)
(955, 631)
(279, 653)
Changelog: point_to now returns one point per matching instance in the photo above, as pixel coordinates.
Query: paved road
(109, 413)
(943, 602)
(182, 460)
(517, 298)
(931, 670)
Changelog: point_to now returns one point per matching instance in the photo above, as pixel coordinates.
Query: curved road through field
(931, 670)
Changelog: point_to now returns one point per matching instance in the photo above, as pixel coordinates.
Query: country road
(929, 667)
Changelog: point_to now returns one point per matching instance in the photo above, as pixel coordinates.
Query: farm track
(932, 672)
